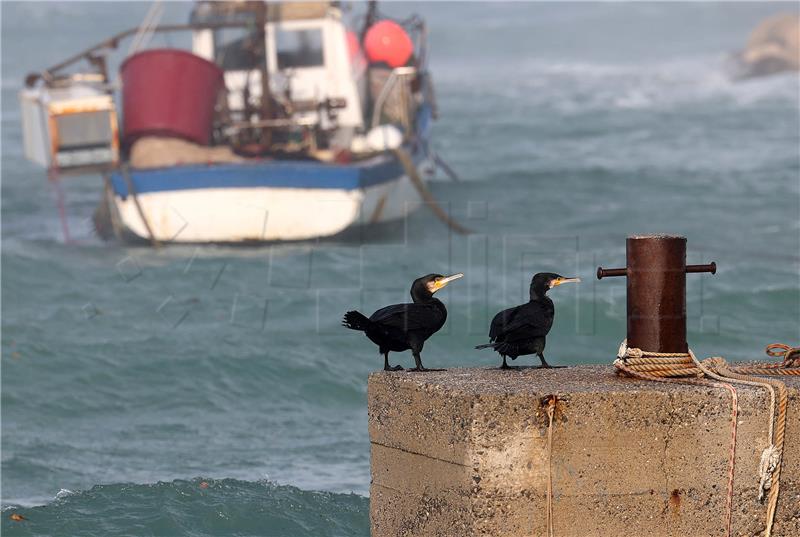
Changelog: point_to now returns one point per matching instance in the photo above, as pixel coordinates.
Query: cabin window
(299, 48)
(236, 49)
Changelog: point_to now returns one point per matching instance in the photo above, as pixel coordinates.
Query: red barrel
(169, 92)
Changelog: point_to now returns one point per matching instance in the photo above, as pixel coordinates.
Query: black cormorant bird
(522, 330)
(400, 327)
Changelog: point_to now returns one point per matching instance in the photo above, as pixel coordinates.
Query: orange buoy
(387, 42)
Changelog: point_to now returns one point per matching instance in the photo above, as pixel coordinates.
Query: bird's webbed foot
(418, 363)
(545, 365)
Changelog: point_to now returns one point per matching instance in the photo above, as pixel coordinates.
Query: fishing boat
(281, 123)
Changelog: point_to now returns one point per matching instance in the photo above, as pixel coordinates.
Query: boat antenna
(369, 18)
(145, 33)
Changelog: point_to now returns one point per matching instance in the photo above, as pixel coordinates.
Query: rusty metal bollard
(656, 271)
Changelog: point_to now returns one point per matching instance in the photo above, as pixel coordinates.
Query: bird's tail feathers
(355, 320)
(502, 347)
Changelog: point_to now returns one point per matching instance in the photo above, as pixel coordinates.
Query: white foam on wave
(63, 493)
(574, 86)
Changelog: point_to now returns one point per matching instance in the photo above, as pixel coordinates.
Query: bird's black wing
(407, 317)
(533, 319)
(501, 321)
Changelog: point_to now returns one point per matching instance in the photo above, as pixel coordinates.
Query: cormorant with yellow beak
(400, 327)
(522, 330)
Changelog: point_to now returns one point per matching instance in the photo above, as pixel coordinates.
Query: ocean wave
(197, 507)
(572, 87)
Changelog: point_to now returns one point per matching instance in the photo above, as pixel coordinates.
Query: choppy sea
(211, 391)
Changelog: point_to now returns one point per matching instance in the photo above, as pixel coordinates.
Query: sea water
(211, 391)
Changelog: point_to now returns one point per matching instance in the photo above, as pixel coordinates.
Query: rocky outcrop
(773, 47)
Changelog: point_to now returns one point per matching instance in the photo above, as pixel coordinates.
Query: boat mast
(369, 19)
(262, 18)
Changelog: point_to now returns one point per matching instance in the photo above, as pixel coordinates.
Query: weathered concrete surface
(463, 453)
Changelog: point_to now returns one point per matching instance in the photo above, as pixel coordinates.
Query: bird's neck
(538, 295)
(426, 299)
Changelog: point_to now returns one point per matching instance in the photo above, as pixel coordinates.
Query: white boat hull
(261, 213)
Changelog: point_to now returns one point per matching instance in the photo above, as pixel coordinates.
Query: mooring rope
(551, 409)
(132, 192)
(411, 171)
(686, 368)
(791, 356)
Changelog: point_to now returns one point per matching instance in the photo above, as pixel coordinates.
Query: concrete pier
(463, 452)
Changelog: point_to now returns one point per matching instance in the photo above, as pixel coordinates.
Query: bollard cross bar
(656, 298)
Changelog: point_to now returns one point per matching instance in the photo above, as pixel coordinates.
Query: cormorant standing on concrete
(522, 330)
(400, 327)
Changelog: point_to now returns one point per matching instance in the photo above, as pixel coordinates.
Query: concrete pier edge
(463, 452)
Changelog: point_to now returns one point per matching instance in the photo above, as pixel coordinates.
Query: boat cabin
(294, 79)
(308, 67)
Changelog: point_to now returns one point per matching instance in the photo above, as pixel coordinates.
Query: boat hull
(271, 201)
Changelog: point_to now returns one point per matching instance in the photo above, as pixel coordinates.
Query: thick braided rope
(771, 459)
(791, 355)
(686, 368)
(790, 365)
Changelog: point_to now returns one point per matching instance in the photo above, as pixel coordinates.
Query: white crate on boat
(69, 127)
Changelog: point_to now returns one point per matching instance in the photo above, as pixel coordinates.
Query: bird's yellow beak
(559, 281)
(442, 282)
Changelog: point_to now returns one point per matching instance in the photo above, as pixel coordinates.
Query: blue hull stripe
(270, 174)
